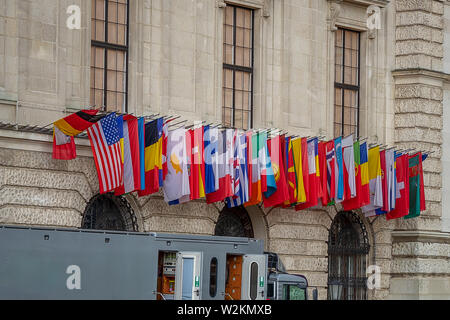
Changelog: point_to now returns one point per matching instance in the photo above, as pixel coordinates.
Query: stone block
(299, 247)
(420, 266)
(278, 215)
(46, 179)
(286, 231)
(305, 263)
(177, 224)
(41, 197)
(422, 249)
(38, 216)
(424, 47)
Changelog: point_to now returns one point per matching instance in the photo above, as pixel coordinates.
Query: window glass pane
(112, 11)
(247, 61)
(253, 280)
(248, 19)
(270, 290)
(229, 15)
(121, 35)
(112, 33)
(111, 80)
(99, 31)
(240, 17)
(239, 56)
(99, 10)
(121, 61)
(122, 14)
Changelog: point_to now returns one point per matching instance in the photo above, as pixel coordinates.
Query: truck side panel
(32, 267)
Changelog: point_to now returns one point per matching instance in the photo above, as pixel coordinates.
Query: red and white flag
(105, 143)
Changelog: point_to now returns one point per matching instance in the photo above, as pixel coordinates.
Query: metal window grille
(348, 247)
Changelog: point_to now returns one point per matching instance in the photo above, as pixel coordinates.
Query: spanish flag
(291, 176)
(300, 195)
(77, 122)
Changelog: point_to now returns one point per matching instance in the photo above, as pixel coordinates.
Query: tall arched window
(108, 212)
(348, 247)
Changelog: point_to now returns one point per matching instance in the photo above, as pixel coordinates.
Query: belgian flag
(153, 157)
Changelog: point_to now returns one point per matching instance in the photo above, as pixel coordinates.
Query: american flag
(105, 143)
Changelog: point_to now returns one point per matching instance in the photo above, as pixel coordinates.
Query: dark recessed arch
(109, 212)
(234, 222)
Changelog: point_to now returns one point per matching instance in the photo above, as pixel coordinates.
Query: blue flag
(339, 170)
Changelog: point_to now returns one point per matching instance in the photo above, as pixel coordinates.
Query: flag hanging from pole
(131, 165)
(339, 170)
(355, 202)
(63, 146)
(104, 139)
(282, 193)
(402, 188)
(176, 185)
(153, 157)
(375, 183)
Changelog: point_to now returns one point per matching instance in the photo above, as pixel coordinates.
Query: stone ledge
(420, 236)
(19, 140)
(413, 72)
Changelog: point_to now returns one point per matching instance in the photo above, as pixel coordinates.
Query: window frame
(116, 47)
(233, 67)
(344, 86)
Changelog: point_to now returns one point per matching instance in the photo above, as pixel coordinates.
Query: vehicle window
(213, 278)
(293, 292)
(270, 292)
(253, 280)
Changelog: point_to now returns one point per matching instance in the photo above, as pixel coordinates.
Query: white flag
(349, 163)
(176, 184)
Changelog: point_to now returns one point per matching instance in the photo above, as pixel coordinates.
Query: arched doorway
(348, 247)
(234, 222)
(109, 212)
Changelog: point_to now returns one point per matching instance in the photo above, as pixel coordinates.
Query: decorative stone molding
(333, 15)
(420, 236)
(367, 3)
(267, 8)
(220, 4)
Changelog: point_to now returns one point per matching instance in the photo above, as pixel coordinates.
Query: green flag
(414, 187)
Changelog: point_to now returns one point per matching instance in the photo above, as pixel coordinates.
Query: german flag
(77, 122)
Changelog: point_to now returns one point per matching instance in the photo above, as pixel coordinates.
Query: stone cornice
(41, 142)
(366, 3)
(421, 72)
(420, 236)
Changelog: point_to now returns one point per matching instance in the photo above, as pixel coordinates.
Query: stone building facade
(175, 66)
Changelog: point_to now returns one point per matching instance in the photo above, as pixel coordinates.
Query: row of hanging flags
(244, 168)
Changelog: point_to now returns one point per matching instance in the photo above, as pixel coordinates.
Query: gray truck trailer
(50, 263)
